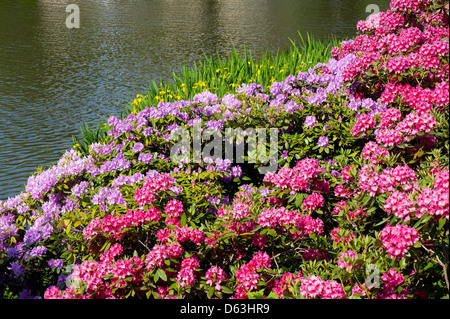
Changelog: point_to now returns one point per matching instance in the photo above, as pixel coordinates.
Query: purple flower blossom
(38, 185)
(276, 87)
(80, 188)
(263, 97)
(147, 131)
(335, 173)
(223, 165)
(250, 89)
(215, 125)
(32, 236)
(38, 251)
(323, 141)
(120, 162)
(318, 98)
(52, 207)
(231, 101)
(206, 97)
(145, 158)
(214, 200)
(291, 106)
(17, 268)
(13, 252)
(138, 147)
(7, 226)
(310, 121)
(236, 171)
(177, 190)
(56, 263)
(264, 192)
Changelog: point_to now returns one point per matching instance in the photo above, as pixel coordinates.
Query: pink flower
(397, 239)
(174, 208)
(389, 117)
(156, 257)
(312, 286)
(364, 123)
(357, 289)
(215, 276)
(388, 137)
(374, 153)
(400, 205)
(186, 277)
(435, 202)
(345, 173)
(332, 290)
(313, 201)
(190, 263)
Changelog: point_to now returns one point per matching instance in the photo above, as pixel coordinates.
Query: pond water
(52, 79)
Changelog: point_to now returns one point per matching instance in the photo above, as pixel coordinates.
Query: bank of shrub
(357, 206)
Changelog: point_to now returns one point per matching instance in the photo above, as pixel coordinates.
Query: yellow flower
(272, 67)
(218, 70)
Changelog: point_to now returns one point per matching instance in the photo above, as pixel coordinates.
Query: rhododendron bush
(357, 207)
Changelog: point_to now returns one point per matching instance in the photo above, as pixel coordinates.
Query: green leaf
(298, 200)
(441, 223)
(210, 292)
(162, 274)
(226, 290)
(183, 220)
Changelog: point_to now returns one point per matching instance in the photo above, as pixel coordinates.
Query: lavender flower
(177, 190)
(32, 236)
(250, 89)
(215, 125)
(138, 147)
(310, 121)
(264, 192)
(335, 173)
(38, 251)
(7, 226)
(323, 141)
(147, 131)
(206, 97)
(291, 106)
(80, 188)
(56, 263)
(236, 171)
(13, 252)
(223, 165)
(231, 101)
(17, 268)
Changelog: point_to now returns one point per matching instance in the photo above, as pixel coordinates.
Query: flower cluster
(113, 226)
(397, 239)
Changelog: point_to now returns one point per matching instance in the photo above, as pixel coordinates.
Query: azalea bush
(356, 207)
